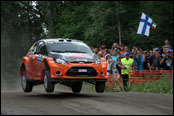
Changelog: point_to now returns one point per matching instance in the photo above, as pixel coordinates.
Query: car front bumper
(100, 72)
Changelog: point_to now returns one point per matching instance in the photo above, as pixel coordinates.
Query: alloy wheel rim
(24, 81)
(45, 81)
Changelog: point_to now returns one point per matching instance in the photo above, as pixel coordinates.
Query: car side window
(33, 47)
(42, 49)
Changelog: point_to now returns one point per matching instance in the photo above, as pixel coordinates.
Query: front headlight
(60, 61)
(97, 62)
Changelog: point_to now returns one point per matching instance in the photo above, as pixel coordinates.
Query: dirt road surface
(85, 103)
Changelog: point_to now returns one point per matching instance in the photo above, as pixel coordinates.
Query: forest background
(93, 22)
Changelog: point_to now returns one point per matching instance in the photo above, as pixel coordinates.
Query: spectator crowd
(156, 59)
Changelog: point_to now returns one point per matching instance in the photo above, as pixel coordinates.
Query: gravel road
(85, 103)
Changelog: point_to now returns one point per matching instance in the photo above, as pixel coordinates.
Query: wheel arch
(46, 65)
(22, 68)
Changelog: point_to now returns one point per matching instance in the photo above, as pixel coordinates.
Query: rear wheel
(27, 86)
(100, 87)
(76, 87)
(48, 85)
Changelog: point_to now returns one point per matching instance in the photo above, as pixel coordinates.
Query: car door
(41, 53)
(30, 66)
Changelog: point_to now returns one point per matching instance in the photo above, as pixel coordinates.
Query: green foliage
(87, 87)
(159, 86)
(94, 22)
(19, 29)
(102, 27)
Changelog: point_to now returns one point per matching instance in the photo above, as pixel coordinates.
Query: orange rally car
(64, 61)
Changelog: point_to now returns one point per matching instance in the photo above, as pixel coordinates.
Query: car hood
(75, 57)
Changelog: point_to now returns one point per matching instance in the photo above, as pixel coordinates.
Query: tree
(20, 27)
(94, 22)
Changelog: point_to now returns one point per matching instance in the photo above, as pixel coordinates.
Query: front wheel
(100, 87)
(27, 86)
(48, 85)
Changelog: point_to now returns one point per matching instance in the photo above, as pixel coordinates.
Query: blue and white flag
(144, 25)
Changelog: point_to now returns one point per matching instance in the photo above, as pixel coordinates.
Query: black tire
(48, 85)
(27, 86)
(100, 87)
(76, 87)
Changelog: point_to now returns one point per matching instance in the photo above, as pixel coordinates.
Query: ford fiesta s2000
(64, 61)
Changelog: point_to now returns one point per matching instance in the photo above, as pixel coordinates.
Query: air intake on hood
(69, 40)
(61, 40)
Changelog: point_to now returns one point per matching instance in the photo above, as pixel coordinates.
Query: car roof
(60, 40)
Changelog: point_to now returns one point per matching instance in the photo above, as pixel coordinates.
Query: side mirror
(36, 52)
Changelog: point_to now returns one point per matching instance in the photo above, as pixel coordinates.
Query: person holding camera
(139, 59)
(167, 60)
(114, 63)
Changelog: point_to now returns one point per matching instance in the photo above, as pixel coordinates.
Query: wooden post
(118, 19)
(119, 29)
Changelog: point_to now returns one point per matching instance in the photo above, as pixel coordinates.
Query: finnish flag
(144, 25)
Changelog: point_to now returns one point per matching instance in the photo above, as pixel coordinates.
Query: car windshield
(73, 47)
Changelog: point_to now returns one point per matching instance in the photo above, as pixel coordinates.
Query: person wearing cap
(167, 60)
(157, 50)
(126, 66)
(154, 59)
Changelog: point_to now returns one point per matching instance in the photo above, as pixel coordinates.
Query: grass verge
(158, 86)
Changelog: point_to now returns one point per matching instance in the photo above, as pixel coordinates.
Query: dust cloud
(14, 85)
(10, 77)
(10, 83)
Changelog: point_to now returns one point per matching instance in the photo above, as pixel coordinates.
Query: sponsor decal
(39, 59)
(81, 62)
(77, 56)
(82, 70)
(61, 65)
(51, 61)
(32, 47)
(99, 66)
(41, 68)
(50, 42)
